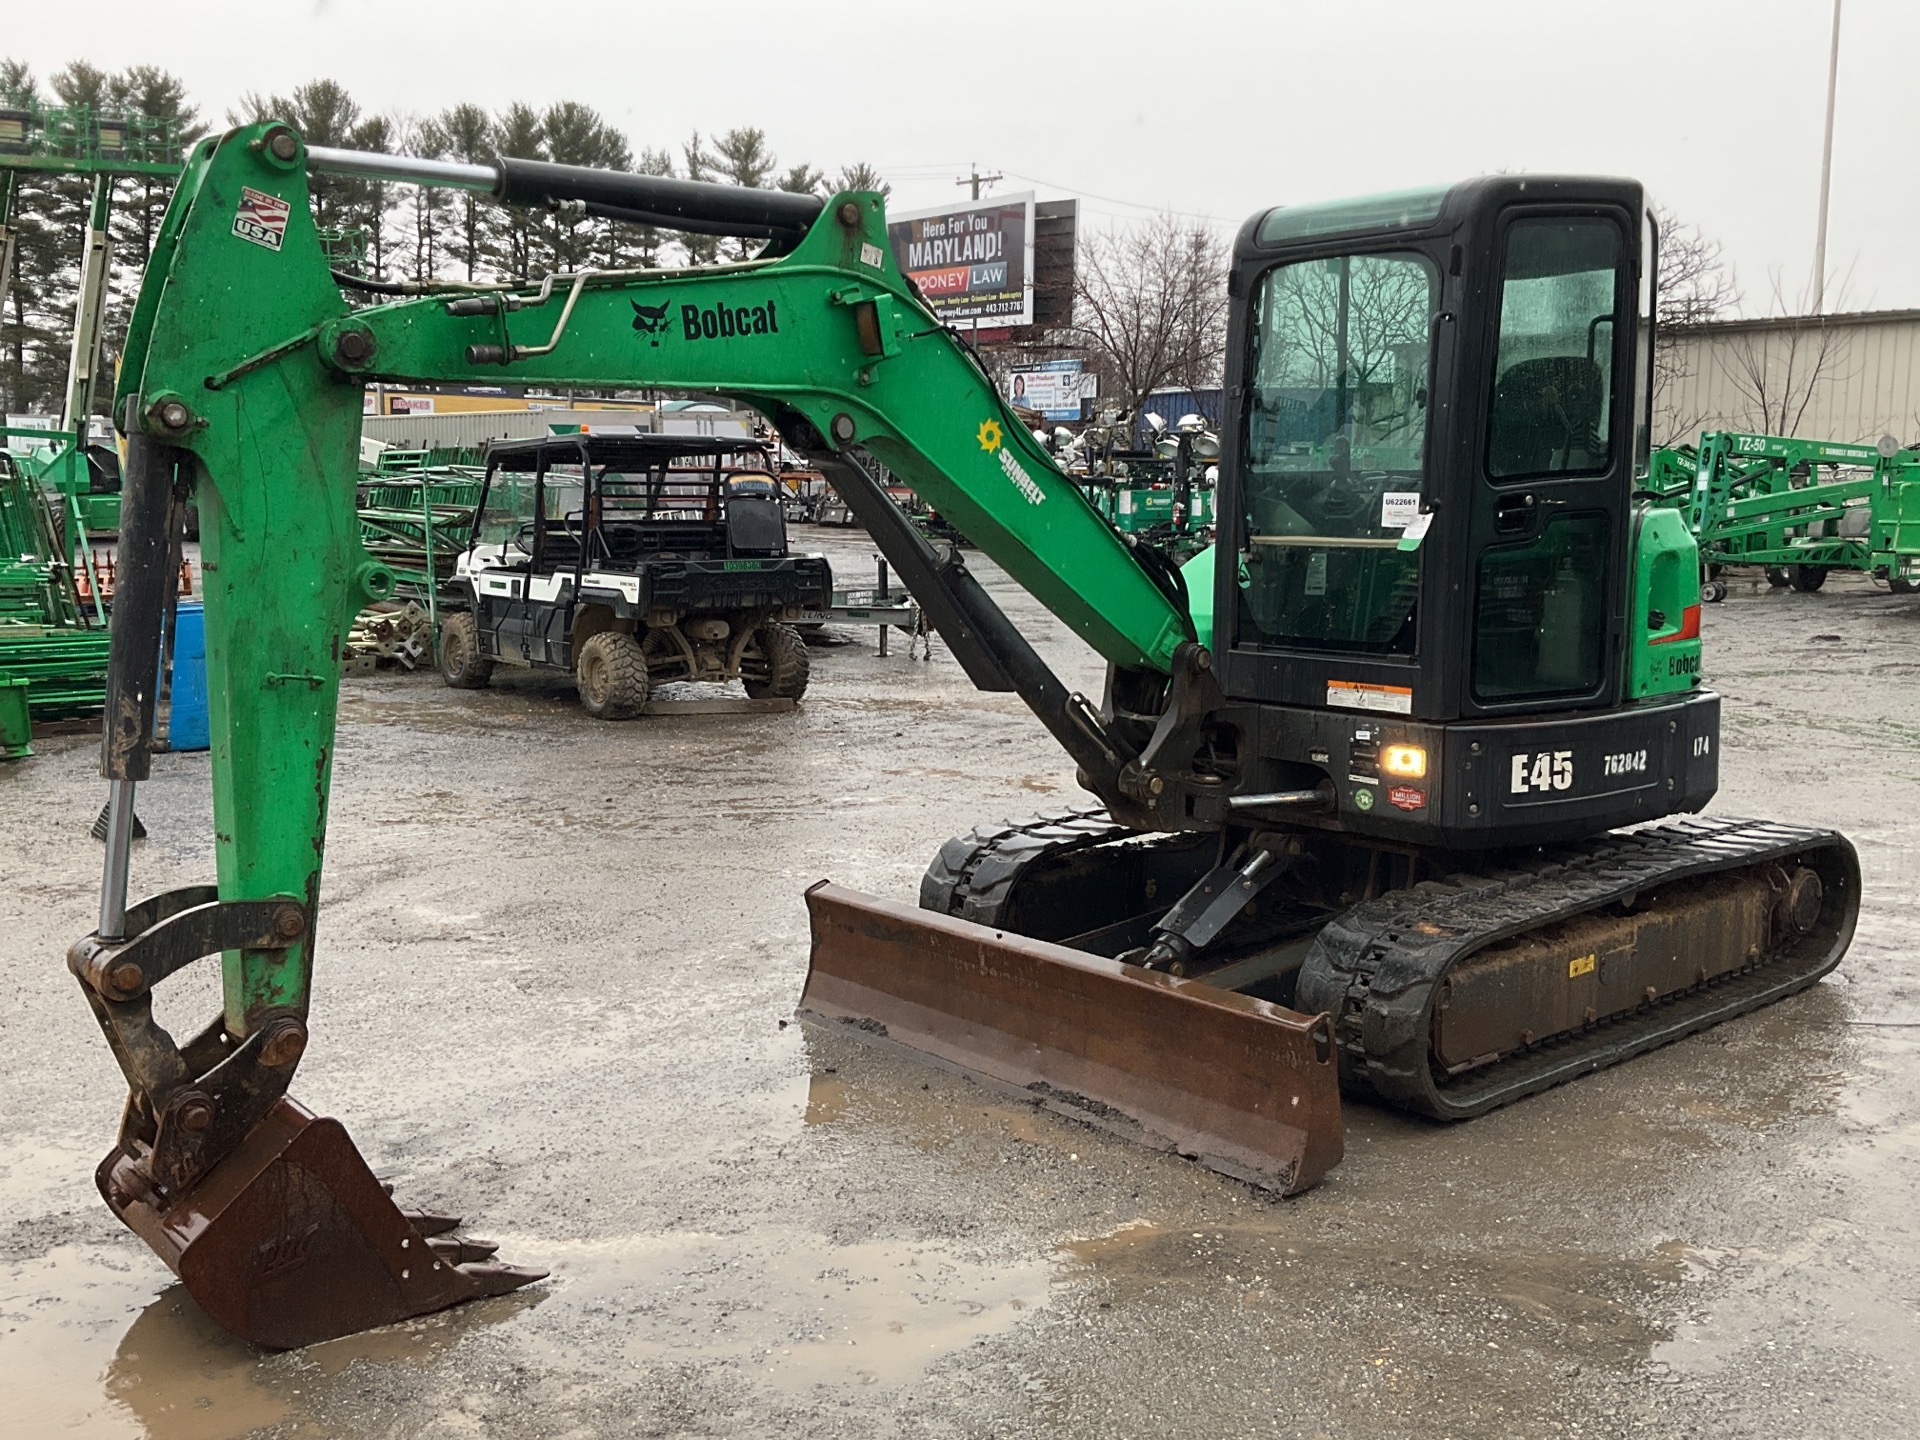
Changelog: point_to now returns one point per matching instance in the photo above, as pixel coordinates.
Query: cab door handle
(1514, 514)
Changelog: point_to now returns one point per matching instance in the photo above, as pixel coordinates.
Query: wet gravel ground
(556, 963)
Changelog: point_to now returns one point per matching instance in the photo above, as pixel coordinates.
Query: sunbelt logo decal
(993, 441)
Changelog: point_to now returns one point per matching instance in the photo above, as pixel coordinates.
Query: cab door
(1549, 523)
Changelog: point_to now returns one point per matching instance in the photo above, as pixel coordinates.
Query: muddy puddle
(88, 1349)
(926, 1123)
(785, 1308)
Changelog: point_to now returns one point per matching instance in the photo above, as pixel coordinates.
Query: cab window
(1336, 465)
(1553, 373)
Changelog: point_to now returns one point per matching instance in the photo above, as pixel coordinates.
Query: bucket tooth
(428, 1223)
(495, 1278)
(290, 1240)
(1246, 1087)
(461, 1250)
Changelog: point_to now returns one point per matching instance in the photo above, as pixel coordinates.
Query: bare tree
(1150, 302)
(1778, 369)
(1696, 285)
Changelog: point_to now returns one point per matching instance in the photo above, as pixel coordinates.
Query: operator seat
(1546, 416)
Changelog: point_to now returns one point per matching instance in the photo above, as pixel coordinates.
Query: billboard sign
(1054, 388)
(972, 261)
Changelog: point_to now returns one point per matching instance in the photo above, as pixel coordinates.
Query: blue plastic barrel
(187, 725)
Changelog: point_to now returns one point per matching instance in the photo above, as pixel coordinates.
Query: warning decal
(1356, 695)
(261, 218)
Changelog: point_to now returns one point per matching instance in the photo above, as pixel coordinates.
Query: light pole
(1826, 172)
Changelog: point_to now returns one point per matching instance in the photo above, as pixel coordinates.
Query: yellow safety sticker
(1583, 966)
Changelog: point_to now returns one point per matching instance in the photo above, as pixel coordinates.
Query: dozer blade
(1241, 1085)
(290, 1240)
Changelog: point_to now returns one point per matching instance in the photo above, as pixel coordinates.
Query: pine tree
(513, 238)
(577, 135)
(140, 201)
(802, 180)
(325, 115)
(370, 203)
(428, 208)
(31, 336)
(859, 176)
(647, 240)
(742, 158)
(468, 134)
(701, 165)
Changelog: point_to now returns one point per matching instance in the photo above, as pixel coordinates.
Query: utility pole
(976, 180)
(1826, 172)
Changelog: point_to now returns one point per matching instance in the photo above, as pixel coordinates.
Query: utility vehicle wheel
(1777, 577)
(461, 664)
(1807, 578)
(612, 676)
(775, 664)
(1901, 586)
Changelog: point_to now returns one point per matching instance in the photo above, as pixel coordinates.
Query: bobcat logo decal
(650, 320)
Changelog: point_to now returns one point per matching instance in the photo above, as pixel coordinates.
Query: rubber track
(1377, 966)
(973, 874)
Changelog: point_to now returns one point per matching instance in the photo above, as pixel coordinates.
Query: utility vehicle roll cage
(622, 499)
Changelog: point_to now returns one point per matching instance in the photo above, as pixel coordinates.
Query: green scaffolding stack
(44, 635)
(418, 521)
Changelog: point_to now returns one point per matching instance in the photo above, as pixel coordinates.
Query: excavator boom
(241, 389)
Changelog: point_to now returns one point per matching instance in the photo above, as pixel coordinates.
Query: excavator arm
(241, 388)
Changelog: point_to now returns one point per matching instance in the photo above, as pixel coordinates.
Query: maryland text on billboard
(973, 261)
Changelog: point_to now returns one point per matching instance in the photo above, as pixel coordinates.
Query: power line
(1115, 200)
(919, 171)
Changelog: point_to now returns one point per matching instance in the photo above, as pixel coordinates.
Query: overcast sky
(1204, 108)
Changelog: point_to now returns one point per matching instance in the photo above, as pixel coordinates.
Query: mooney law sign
(972, 262)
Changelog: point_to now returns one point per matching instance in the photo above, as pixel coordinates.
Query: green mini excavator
(1373, 784)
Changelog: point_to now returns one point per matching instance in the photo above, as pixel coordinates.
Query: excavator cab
(1442, 392)
(1443, 399)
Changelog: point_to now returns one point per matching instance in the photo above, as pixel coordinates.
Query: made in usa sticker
(261, 219)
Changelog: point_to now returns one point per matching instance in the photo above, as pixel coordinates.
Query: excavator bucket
(1244, 1086)
(290, 1240)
